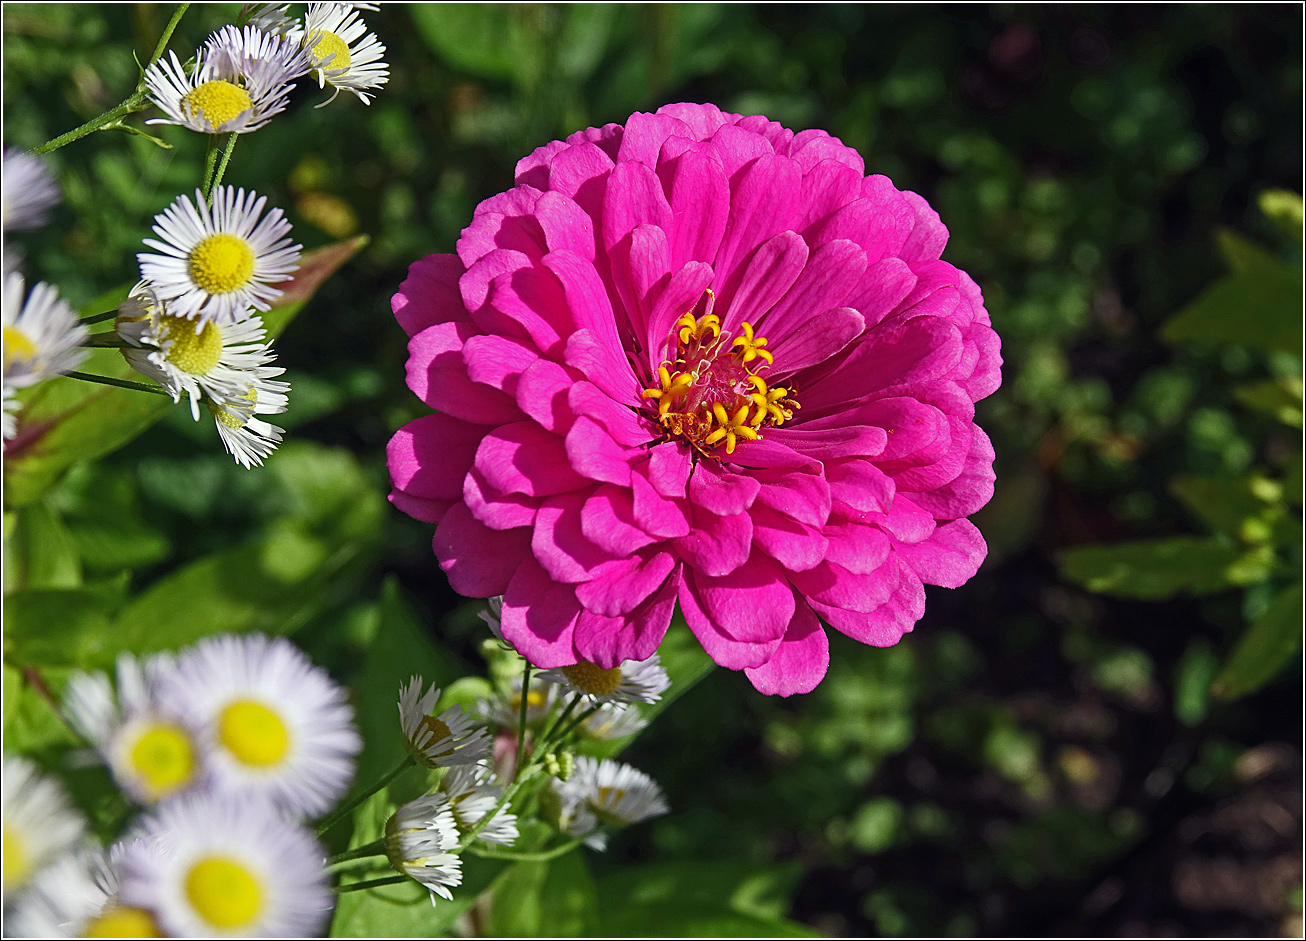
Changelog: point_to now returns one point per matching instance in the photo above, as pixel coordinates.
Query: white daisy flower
(506, 711)
(42, 337)
(152, 751)
(472, 794)
(279, 727)
(10, 413)
(492, 615)
(566, 808)
(342, 55)
(77, 897)
(269, 17)
(27, 191)
(632, 681)
(615, 792)
(443, 741)
(614, 720)
(256, 59)
(223, 865)
(417, 842)
(37, 821)
(248, 439)
(219, 262)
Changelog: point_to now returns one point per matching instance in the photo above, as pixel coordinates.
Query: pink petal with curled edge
(478, 560)
(836, 587)
(622, 585)
(542, 394)
(645, 134)
(721, 492)
(429, 295)
(949, 557)
(608, 641)
(795, 546)
(803, 496)
(429, 457)
(437, 374)
(859, 547)
(699, 198)
(829, 276)
(881, 289)
(720, 646)
(634, 196)
(620, 422)
(587, 301)
(420, 508)
(581, 172)
(669, 467)
(666, 517)
(828, 186)
(497, 362)
(524, 458)
(497, 510)
(905, 521)
(592, 453)
(680, 295)
(801, 660)
(603, 365)
(970, 490)
(764, 203)
(526, 304)
(928, 234)
(608, 520)
(503, 231)
(824, 444)
(640, 271)
(703, 120)
(739, 150)
(770, 272)
(474, 285)
(860, 485)
(566, 226)
(716, 545)
(815, 341)
(814, 145)
(753, 604)
(559, 544)
(767, 452)
(885, 625)
(533, 169)
(539, 617)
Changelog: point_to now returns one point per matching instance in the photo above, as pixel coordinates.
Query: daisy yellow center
(123, 922)
(710, 393)
(217, 102)
(193, 352)
(323, 44)
(255, 734)
(163, 757)
(607, 797)
(221, 263)
(17, 859)
(592, 678)
(438, 733)
(18, 348)
(223, 892)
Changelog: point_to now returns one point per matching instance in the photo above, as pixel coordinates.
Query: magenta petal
(764, 203)
(829, 276)
(524, 458)
(753, 604)
(566, 226)
(497, 510)
(669, 467)
(586, 299)
(699, 197)
(802, 496)
(906, 522)
(594, 454)
(558, 543)
(702, 120)
(724, 649)
(478, 560)
(437, 374)
(969, 490)
(429, 295)
(950, 556)
(474, 285)
(795, 546)
(526, 304)
(836, 587)
(581, 172)
(608, 641)
(420, 508)
(815, 341)
(620, 586)
(738, 149)
(721, 492)
(767, 452)
(860, 484)
(497, 362)
(885, 624)
(814, 145)
(605, 366)
(882, 289)
(770, 272)
(801, 660)
(542, 394)
(640, 270)
(666, 517)
(716, 545)
(634, 196)
(429, 457)
(644, 136)
(858, 547)
(928, 235)
(678, 297)
(621, 423)
(825, 444)
(539, 617)
(608, 520)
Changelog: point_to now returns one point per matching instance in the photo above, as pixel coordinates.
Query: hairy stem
(350, 804)
(521, 725)
(371, 884)
(120, 383)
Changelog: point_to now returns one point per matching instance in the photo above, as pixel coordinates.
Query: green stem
(507, 797)
(375, 848)
(538, 857)
(98, 318)
(562, 736)
(210, 164)
(167, 33)
(521, 725)
(349, 805)
(222, 167)
(120, 383)
(371, 884)
(548, 737)
(109, 340)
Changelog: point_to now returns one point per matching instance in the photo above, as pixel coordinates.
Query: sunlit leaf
(1264, 649)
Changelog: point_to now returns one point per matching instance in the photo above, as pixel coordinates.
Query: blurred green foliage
(1031, 739)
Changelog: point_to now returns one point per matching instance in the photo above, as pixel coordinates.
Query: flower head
(29, 191)
(442, 741)
(38, 823)
(42, 337)
(615, 793)
(280, 728)
(77, 897)
(221, 865)
(505, 711)
(249, 439)
(630, 681)
(219, 261)
(256, 58)
(152, 750)
(614, 720)
(472, 794)
(342, 55)
(698, 359)
(418, 838)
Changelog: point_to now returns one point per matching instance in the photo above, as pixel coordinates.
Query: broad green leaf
(491, 42)
(64, 627)
(1259, 306)
(544, 900)
(1265, 648)
(1162, 568)
(1244, 507)
(34, 724)
(1279, 398)
(1284, 209)
(66, 421)
(40, 552)
(1241, 253)
(1192, 687)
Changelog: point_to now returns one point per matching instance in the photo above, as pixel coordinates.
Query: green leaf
(1245, 508)
(1265, 648)
(544, 899)
(1284, 209)
(33, 724)
(1259, 306)
(1281, 399)
(1241, 253)
(40, 552)
(486, 41)
(1192, 688)
(1162, 568)
(726, 898)
(64, 627)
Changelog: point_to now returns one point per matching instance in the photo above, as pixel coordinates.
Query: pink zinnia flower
(698, 359)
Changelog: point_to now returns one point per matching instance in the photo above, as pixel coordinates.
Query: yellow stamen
(18, 348)
(731, 427)
(221, 263)
(217, 102)
(120, 921)
(191, 351)
(592, 678)
(323, 44)
(751, 346)
(164, 758)
(223, 892)
(255, 734)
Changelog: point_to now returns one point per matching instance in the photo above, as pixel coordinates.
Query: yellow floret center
(164, 758)
(193, 352)
(123, 922)
(708, 390)
(221, 263)
(17, 860)
(233, 419)
(217, 102)
(18, 348)
(253, 733)
(323, 44)
(223, 892)
(592, 678)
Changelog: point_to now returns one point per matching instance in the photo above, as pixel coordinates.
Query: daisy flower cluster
(230, 747)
